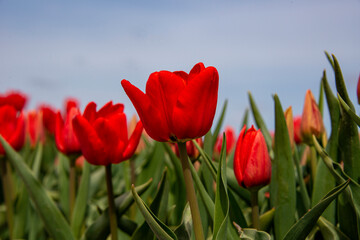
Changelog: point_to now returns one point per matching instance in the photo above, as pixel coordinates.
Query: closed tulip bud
(48, 118)
(15, 99)
(65, 138)
(311, 120)
(34, 127)
(177, 106)
(252, 165)
(297, 129)
(12, 127)
(290, 125)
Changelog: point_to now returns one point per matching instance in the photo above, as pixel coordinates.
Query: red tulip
(103, 134)
(297, 130)
(15, 99)
(12, 127)
(65, 138)
(230, 140)
(49, 118)
(252, 165)
(177, 106)
(70, 103)
(34, 127)
(191, 150)
(311, 120)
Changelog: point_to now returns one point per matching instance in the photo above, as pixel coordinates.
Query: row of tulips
(191, 182)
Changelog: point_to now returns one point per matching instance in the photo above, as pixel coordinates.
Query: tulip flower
(191, 150)
(252, 165)
(103, 138)
(311, 120)
(65, 138)
(177, 106)
(34, 127)
(297, 129)
(15, 99)
(103, 134)
(230, 140)
(70, 103)
(48, 118)
(12, 127)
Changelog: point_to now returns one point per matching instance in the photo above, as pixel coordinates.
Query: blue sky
(56, 49)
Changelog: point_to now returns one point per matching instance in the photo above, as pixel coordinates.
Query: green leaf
(100, 229)
(329, 231)
(158, 208)
(161, 231)
(329, 59)
(303, 227)
(267, 219)
(349, 111)
(245, 118)
(282, 185)
(219, 123)
(183, 231)
(81, 201)
(53, 220)
(260, 122)
(253, 234)
(324, 180)
(221, 213)
(348, 130)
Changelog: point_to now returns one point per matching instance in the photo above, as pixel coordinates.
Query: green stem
(313, 162)
(72, 187)
(255, 208)
(190, 192)
(6, 180)
(112, 212)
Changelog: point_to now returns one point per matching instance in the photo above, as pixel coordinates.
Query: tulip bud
(252, 165)
(297, 129)
(34, 127)
(290, 125)
(230, 141)
(311, 120)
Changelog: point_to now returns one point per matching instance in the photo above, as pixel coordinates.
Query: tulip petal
(196, 105)
(133, 141)
(109, 109)
(152, 119)
(237, 157)
(59, 126)
(91, 146)
(90, 112)
(18, 136)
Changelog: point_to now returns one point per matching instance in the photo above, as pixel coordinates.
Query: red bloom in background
(191, 150)
(15, 99)
(34, 127)
(12, 127)
(177, 106)
(48, 118)
(297, 129)
(65, 138)
(70, 103)
(230, 140)
(252, 165)
(103, 134)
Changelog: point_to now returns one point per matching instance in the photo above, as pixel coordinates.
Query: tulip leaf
(81, 201)
(266, 219)
(324, 180)
(219, 123)
(260, 122)
(179, 187)
(305, 224)
(329, 59)
(282, 185)
(245, 118)
(253, 234)
(349, 202)
(349, 111)
(183, 231)
(329, 231)
(52, 218)
(158, 207)
(100, 229)
(348, 130)
(161, 231)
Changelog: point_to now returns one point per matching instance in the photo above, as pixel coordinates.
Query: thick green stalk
(6, 180)
(190, 192)
(72, 185)
(255, 208)
(112, 210)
